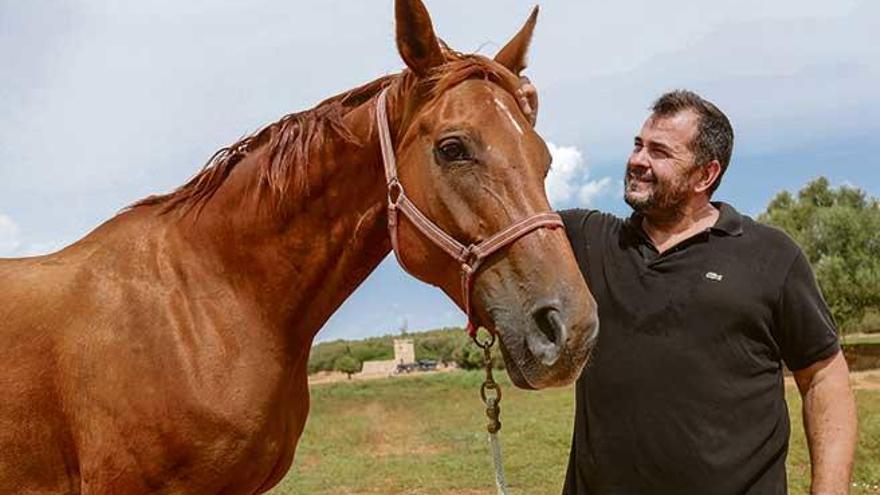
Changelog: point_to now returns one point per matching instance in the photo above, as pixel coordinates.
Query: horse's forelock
(462, 67)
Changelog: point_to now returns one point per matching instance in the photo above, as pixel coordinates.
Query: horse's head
(471, 161)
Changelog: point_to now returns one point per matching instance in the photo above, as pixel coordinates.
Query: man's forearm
(830, 423)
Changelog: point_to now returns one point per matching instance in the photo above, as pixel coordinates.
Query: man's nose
(640, 156)
(638, 159)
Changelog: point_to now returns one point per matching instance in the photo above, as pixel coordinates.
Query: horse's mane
(290, 140)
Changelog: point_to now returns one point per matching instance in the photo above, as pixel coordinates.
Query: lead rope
(470, 257)
(490, 393)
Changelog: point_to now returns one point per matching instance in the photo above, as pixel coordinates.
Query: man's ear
(416, 42)
(709, 174)
(513, 55)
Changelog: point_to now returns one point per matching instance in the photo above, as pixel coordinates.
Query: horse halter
(470, 257)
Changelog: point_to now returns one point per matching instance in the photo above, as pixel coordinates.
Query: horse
(166, 351)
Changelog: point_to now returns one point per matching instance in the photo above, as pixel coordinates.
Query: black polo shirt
(683, 393)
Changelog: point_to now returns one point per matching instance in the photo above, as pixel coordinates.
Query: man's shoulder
(579, 219)
(589, 231)
(769, 237)
(765, 246)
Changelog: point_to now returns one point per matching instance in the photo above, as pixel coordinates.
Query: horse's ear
(416, 42)
(513, 55)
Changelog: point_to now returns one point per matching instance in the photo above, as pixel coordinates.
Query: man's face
(661, 172)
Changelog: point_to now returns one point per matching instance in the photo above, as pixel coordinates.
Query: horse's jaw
(528, 373)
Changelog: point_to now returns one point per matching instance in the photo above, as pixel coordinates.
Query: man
(699, 307)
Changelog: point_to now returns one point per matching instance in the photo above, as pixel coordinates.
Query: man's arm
(830, 423)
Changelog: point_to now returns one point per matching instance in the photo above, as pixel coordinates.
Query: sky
(105, 102)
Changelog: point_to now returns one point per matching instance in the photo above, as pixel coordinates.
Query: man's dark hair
(714, 138)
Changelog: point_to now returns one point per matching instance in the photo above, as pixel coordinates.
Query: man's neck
(666, 231)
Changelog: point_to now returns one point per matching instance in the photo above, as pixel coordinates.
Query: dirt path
(860, 380)
(865, 380)
(323, 377)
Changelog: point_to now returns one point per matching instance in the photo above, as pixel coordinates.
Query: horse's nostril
(549, 338)
(544, 325)
(549, 322)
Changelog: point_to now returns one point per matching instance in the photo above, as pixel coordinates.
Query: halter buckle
(395, 192)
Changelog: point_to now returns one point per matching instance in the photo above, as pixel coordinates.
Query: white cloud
(593, 189)
(10, 236)
(12, 242)
(567, 163)
(568, 182)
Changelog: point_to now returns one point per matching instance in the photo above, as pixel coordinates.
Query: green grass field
(865, 338)
(426, 435)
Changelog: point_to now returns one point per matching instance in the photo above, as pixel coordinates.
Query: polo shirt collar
(729, 220)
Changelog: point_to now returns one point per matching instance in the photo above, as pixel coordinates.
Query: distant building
(375, 368)
(404, 351)
(404, 355)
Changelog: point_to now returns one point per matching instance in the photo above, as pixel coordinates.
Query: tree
(470, 357)
(839, 231)
(441, 346)
(347, 364)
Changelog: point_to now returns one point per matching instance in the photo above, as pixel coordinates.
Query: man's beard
(664, 197)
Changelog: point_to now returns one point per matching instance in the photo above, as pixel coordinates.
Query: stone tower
(404, 351)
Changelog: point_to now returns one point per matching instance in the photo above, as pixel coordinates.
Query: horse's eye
(452, 150)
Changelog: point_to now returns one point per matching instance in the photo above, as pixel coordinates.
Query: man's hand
(830, 423)
(527, 96)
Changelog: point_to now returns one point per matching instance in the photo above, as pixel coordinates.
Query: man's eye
(453, 150)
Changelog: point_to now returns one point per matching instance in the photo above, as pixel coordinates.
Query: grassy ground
(426, 435)
(862, 338)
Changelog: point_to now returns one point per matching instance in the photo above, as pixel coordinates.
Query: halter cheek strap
(470, 257)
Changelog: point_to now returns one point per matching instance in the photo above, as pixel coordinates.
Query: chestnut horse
(166, 351)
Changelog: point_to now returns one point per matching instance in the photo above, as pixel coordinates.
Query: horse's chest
(213, 451)
(230, 433)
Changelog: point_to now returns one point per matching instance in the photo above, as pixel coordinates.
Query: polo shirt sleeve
(575, 221)
(576, 228)
(804, 327)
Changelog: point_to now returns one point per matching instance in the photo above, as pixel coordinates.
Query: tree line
(450, 345)
(838, 229)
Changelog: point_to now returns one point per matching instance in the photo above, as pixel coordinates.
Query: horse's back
(35, 446)
(31, 293)
(63, 326)
(35, 299)
(57, 316)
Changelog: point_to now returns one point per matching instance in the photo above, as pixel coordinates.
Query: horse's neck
(301, 262)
